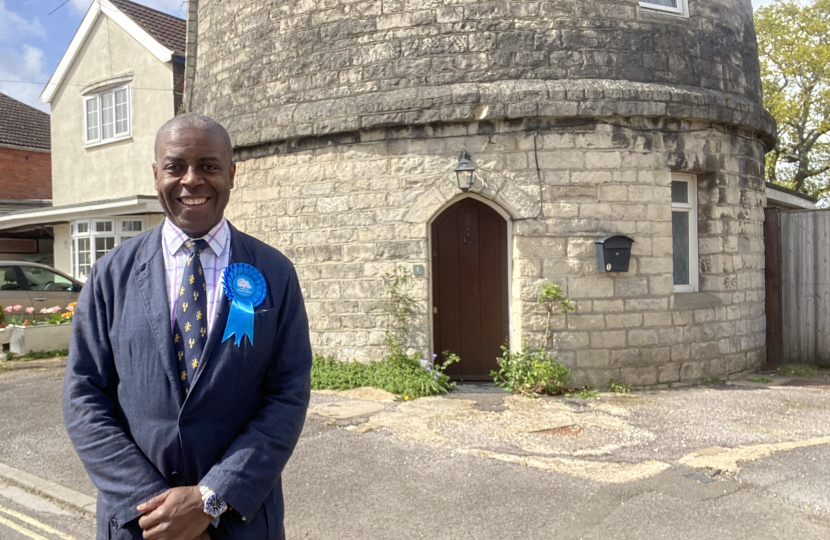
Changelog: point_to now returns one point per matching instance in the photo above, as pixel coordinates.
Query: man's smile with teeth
(193, 202)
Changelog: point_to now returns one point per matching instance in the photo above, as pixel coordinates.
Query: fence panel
(805, 290)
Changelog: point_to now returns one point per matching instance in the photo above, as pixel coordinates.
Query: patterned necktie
(190, 328)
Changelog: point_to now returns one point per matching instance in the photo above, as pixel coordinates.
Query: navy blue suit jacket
(133, 428)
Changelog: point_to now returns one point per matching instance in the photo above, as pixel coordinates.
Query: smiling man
(188, 376)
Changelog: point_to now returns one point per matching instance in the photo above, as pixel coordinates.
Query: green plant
(797, 370)
(399, 309)
(583, 393)
(552, 300)
(711, 380)
(760, 380)
(400, 374)
(619, 388)
(669, 384)
(530, 372)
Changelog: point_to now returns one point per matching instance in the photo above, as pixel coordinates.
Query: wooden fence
(798, 286)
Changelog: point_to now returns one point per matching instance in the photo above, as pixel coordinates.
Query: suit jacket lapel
(239, 254)
(151, 277)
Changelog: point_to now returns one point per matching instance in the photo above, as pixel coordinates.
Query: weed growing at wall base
(402, 375)
(530, 372)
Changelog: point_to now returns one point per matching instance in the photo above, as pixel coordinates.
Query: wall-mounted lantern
(465, 172)
(613, 253)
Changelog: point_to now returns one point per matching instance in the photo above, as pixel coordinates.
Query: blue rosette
(245, 287)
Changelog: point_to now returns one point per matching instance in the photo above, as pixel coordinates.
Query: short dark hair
(191, 120)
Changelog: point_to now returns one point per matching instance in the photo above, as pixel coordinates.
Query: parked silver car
(36, 285)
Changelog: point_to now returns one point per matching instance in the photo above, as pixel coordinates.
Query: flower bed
(29, 334)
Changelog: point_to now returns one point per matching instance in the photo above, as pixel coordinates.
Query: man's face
(194, 175)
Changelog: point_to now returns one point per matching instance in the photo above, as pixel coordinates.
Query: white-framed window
(684, 232)
(107, 116)
(675, 7)
(91, 239)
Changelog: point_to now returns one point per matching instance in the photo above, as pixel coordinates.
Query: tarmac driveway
(743, 461)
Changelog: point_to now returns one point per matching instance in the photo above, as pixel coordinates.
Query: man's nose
(192, 176)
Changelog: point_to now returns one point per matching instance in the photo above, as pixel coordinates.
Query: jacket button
(175, 476)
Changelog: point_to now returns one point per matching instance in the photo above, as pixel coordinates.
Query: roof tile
(168, 30)
(22, 125)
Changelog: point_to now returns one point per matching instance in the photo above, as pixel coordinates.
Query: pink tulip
(70, 308)
(30, 310)
(8, 309)
(44, 311)
(18, 307)
(56, 309)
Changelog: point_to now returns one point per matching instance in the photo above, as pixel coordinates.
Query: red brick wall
(25, 174)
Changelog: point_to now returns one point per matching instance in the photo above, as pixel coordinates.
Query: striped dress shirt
(214, 261)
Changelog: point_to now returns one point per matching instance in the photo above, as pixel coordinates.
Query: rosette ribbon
(245, 287)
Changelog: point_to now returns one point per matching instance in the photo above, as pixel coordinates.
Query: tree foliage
(794, 48)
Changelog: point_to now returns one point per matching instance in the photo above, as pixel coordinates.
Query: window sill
(695, 300)
(653, 10)
(108, 141)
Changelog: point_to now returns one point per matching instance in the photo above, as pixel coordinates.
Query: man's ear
(231, 172)
(155, 176)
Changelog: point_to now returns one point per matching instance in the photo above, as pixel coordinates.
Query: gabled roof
(22, 125)
(168, 30)
(161, 34)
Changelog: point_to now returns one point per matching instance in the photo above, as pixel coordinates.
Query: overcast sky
(32, 42)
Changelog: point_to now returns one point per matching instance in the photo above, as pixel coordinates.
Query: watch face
(214, 505)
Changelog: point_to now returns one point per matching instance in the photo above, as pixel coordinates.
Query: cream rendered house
(120, 79)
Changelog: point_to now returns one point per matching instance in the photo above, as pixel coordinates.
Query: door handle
(40, 299)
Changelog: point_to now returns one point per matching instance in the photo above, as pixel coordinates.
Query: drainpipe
(190, 54)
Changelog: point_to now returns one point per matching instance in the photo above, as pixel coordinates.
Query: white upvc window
(684, 232)
(91, 239)
(674, 7)
(107, 116)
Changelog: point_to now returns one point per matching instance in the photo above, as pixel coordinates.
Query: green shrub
(619, 388)
(400, 374)
(530, 372)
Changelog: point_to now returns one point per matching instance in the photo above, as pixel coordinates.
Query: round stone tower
(583, 120)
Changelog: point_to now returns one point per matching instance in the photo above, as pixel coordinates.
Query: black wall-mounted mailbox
(613, 253)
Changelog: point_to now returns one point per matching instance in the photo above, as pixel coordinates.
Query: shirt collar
(217, 238)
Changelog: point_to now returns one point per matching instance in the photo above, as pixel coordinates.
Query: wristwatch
(214, 506)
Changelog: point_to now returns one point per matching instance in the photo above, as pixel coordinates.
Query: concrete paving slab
(342, 410)
(30, 501)
(50, 489)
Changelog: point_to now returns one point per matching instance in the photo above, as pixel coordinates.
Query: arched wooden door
(469, 287)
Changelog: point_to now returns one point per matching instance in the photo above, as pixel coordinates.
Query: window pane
(82, 227)
(84, 257)
(103, 245)
(107, 116)
(92, 119)
(121, 112)
(130, 226)
(45, 280)
(8, 279)
(679, 192)
(680, 247)
(103, 226)
(667, 3)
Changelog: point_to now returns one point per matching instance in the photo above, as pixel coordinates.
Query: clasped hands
(176, 514)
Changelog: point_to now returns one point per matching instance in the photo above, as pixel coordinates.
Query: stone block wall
(275, 70)
(348, 209)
